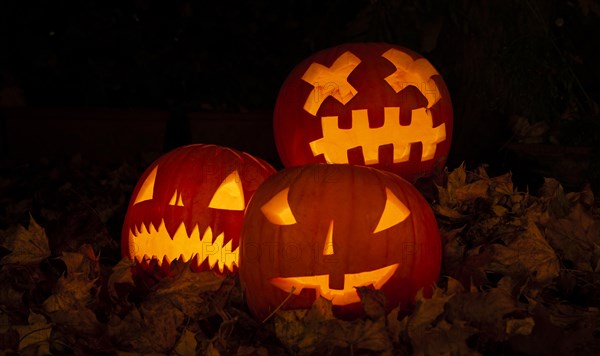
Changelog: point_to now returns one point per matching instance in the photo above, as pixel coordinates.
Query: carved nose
(328, 248)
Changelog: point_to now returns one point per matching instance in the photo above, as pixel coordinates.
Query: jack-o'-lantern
(325, 229)
(371, 104)
(189, 205)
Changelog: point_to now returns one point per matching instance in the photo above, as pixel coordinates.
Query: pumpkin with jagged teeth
(189, 205)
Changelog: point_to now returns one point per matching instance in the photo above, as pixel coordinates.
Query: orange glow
(277, 210)
(332, 81)
(394, 212)
(147, 190)
(229, 195)
(336, 142)
(328, 248)
(418, 73)
(345, 296)
(157, 243)
(176, 199)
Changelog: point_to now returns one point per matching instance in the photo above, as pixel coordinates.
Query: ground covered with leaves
(520, 275)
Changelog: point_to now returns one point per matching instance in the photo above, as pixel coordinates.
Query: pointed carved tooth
(165, 261)
(153, 229)
(194, 261)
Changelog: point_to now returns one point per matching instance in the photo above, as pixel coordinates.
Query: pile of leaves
(520, 274)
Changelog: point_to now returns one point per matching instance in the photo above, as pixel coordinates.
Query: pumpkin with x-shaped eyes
(189, 204)
(372, 104)
(322, 230)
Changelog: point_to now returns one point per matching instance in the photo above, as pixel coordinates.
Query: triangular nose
(328, 248)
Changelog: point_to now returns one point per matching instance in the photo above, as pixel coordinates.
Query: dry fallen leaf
(309, 331)
(576, 239)
(121, 274)
(445, 339)
(28, 246)
(35, 337)
(427, 310)
(84, 262)
(184, 291)
(69, 292)
(186, 345)
(528, 254)
(149, 329)
(373, 302)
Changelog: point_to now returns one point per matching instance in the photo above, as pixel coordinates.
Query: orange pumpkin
(189, 204)
(371, 104)
(326, 229)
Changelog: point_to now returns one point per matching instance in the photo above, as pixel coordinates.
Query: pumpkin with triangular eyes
(373, 104)
(325, 229)
(189, 205)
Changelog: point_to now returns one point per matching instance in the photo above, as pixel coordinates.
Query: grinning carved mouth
(345, 296)
(145, 244)
(336, 142)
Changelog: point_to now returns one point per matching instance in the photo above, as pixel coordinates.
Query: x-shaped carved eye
(418, 73)
(229, 195)
(330, 81)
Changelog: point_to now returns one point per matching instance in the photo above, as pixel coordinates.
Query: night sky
(523, 75)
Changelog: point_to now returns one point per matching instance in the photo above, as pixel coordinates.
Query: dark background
(118, 80)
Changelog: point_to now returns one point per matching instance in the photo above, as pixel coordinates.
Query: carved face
(326, 229)
(367, 104)
(189, 204)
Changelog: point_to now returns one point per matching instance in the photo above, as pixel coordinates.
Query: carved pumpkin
(370, 104)
(326, 229)
(190, 204)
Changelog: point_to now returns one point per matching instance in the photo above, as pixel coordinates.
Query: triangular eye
(147, 190)
(176, 199)
(229, 195)
(394, 212)
(277, 210)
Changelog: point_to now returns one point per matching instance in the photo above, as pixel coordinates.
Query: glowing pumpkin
(189, 204)
(370, 104)
(326, 229)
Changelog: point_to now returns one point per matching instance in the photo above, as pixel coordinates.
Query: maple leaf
(520, 326)
(84, 262)
(28, 246)
(472, 191)
(151, 328)
(576, 239)
(519, 253)
(456, 179)
(184, 291)
(69, 292)
(34, 338)
(306, 331)
(445, 339)
(186, 345)
(373, 302)
(362, 335)
(427, 310)
(487, 310)
(121, 274)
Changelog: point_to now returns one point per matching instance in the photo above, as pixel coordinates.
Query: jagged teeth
(149, 243)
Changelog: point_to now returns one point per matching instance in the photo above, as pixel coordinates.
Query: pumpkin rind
(371, 104)
(175, 201)
(340, 206)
